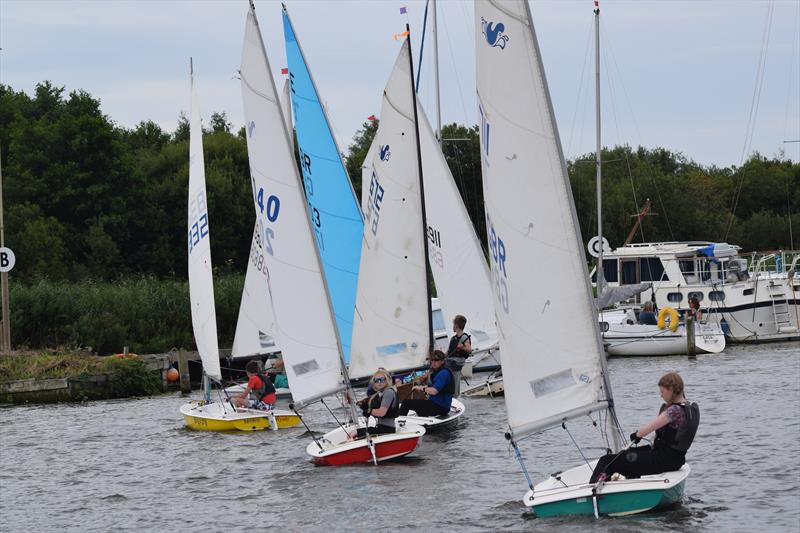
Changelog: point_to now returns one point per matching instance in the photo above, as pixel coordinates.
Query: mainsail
(305, 325)
(255, 328)
(332, 205)
(201, 283)
(552, 356)
(457, 261)
(391, 326)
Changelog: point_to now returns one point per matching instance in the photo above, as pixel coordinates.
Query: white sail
(201, 282)
(286, 106)
(552, 356)
(305, 327)
(390, 327)
(255, 328)
(457, 261)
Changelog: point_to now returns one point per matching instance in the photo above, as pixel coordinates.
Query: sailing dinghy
(554, 367)
(392, 327)
(306, 326)
(207, 415)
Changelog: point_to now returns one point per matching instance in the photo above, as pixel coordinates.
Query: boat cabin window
(674, 297)
(438, 320)
(696, 294)
(687, 269)
(628, 271)
(651, 269)
(610, 271)
(716, 296)
(747, 292)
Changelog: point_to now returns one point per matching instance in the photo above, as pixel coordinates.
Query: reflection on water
(131, 465)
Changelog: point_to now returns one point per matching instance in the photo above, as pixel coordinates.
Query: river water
(131, 465)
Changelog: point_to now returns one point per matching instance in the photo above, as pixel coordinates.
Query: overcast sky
(677, 74)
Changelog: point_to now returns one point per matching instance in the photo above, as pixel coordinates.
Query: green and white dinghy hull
(570, 493)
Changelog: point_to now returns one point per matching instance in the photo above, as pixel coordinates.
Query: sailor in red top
(259, 393)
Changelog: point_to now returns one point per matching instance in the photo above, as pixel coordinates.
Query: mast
(422, 188)
(435, 35)
(598, 147)
(308, 227)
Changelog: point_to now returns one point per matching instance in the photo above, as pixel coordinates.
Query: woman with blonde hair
(675, 427)
(383, 404)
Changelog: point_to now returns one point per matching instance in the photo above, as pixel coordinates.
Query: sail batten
(552, 355)
(305, 326)
(201, 283)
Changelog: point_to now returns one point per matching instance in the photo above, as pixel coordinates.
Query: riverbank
(46, 377)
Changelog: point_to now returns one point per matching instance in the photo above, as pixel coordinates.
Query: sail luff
(421, 189)
(201, 283)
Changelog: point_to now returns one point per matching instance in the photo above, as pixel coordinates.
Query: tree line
(86, 198)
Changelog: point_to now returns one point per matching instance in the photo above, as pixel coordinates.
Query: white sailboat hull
(431, 423)
(638, 339)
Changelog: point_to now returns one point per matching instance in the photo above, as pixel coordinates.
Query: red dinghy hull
(383, 451)
(337, 449)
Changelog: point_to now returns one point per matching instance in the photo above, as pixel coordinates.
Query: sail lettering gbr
(497, 257)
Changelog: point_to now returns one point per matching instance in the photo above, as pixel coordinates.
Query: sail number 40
(270, 209)
(498, 256)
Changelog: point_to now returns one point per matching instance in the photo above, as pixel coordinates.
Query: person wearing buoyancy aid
(675, 427)
(259, 393)
(440, 390)
(383, 405)
(460, 348)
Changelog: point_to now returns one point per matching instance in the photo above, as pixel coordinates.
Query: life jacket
(375, 403)
(680, 439)
(456, 356)
(450, 388)
(266, 388)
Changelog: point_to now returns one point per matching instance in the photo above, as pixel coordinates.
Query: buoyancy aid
(391, 413)
(450, 388)
(679, 439)
(456, 356)
(266, 388)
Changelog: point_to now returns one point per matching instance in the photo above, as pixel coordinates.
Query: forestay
(305, 325)
(390, 328)
(332, 205)
(547, 325)
(457, 261)
(201, 283)
(255, 328)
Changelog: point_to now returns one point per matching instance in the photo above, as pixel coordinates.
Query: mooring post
(691, 348)
(183, 369)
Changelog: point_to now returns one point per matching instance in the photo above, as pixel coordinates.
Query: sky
(676, 74)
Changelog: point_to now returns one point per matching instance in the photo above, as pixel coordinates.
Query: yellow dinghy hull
(214, 416)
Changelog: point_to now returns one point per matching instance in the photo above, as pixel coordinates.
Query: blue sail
(332, 205)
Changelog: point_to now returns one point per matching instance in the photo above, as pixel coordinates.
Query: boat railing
(774, 263)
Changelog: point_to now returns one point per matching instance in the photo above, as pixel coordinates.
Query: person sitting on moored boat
(694, 309)
(675, 427)
(647, 316)
(440, 389)
(383, 404)
(259, 393)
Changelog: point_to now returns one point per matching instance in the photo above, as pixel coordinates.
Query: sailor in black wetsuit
(675, 427)
(457, 352)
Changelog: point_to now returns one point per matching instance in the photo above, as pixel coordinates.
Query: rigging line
(564, 425)
(751, 119)
(455, 70)
(580, 85)
(624, 89)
